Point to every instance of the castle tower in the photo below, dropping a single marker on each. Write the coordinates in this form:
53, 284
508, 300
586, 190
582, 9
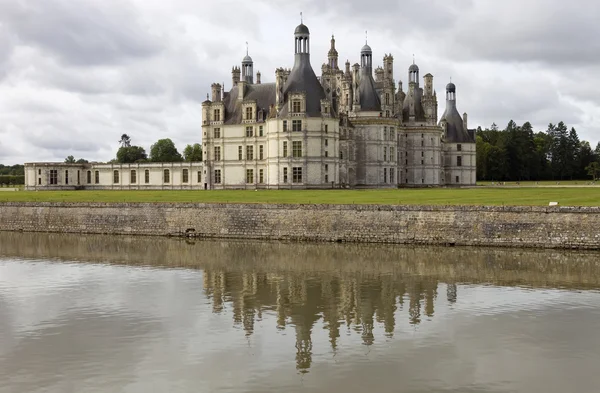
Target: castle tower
429, 100
216, 92
332, 56
247, 69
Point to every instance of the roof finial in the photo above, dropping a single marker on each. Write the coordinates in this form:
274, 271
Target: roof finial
366, 37
413, 58
450, 79
301, 19
206, 96
246, 48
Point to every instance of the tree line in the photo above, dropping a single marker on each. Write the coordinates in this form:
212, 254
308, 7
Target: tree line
517, 153
163, 150
12, 174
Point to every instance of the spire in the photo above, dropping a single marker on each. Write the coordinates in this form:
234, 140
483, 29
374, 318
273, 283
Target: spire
301, 19
366, 37
246, 48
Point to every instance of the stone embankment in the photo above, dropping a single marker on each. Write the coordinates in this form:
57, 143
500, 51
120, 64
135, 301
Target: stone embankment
542, 227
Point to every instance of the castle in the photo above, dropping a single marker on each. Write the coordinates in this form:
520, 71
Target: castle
349, 128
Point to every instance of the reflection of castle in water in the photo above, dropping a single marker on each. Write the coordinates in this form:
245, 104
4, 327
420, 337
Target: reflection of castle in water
300, 300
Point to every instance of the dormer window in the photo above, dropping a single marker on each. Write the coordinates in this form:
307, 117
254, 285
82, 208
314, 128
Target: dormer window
296, 106
249, 113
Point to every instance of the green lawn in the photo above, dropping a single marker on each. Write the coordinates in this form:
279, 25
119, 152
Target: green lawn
589, 196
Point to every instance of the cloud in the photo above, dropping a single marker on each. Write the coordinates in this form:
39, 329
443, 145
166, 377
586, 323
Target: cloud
74, 76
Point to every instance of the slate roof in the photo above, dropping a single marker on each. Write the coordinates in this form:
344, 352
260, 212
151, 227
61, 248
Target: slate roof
263, 93
455, 129
303, 79
369, 99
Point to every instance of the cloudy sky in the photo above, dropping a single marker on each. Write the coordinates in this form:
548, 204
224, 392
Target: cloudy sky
76, 74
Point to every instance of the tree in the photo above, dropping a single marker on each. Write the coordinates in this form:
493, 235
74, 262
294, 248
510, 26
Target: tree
82, 161
125, 140
131, 154
70, 160
164, 150
593, 170
193, 153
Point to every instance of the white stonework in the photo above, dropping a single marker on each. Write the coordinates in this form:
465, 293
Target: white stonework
348, 128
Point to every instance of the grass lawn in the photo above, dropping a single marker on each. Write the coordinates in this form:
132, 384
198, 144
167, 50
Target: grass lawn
435, 196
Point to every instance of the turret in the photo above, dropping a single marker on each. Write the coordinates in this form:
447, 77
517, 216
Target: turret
413, 74
247, 68
428, 85
366, 59
258, 78
388, 67
216, 92
235, 75
332, 56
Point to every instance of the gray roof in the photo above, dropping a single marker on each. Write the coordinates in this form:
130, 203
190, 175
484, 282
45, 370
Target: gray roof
301, 29
451, 87
455, 129
303, 79
413, 67
264, 94
247, 59
369, 99
416, 98
366, 49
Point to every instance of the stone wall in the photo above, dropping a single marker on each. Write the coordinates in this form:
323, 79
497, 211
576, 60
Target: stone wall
546, 227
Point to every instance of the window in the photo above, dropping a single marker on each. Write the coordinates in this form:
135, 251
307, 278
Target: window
240, 152
326, 142
146, 176
133, 177
89, 177
115, 177
387, 98
166, 176
457, 179
249, 152
297, 174
185, 176
385, 154
296, 149
326, 168
285, 125
199, 176
459, 161
53, 176
385, 134
326, 153
78, 181
284, 149
285, 175
392, 175
422, 143
67, 177
217, 114
296, 125
459, 147
387, 113
385, 175
261, 175
326, 178
261, 152
217, 133
217, 153
260, 131
249, 175
296, 106
217, 176
326, 128
97, 177
39, 181
422, 154
248, 113
341, 155
249, 132
392, 154
39, 171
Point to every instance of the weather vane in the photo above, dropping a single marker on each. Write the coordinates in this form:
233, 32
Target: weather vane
301, 19
246, 48
413, 58
366, 37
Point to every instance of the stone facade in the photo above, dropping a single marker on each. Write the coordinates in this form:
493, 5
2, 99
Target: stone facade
98, 176
347, 128
544, 227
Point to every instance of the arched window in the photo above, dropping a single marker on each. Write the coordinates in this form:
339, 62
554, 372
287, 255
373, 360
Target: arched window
166, 176
146, 176
115, 176
185, 176
89, 177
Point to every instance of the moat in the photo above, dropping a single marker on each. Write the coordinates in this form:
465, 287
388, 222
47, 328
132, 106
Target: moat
138, 314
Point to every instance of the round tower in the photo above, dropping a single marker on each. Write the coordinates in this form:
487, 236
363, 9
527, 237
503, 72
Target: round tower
247, 68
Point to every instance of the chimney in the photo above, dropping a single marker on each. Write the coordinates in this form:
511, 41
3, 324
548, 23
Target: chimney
465, 121
258, 78
216, 92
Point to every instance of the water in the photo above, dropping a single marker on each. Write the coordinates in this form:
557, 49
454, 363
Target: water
107, 314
